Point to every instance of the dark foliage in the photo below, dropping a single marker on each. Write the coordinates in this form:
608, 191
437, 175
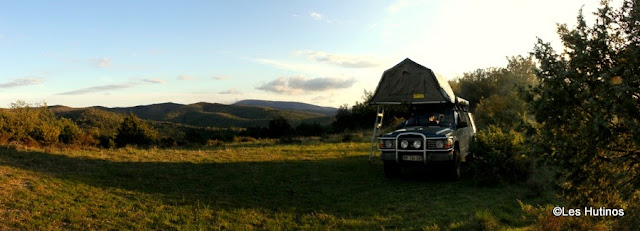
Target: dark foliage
499, 157
70, 133
588, 107
279, 127
134, 131
363, 116
315, 129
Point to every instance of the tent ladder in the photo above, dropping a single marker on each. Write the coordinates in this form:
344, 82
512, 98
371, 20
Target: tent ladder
376, 127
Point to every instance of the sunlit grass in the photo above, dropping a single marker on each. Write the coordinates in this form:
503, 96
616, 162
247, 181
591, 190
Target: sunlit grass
260, 185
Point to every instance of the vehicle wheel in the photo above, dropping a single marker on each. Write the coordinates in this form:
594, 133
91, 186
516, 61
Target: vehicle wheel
454, 166
391, 169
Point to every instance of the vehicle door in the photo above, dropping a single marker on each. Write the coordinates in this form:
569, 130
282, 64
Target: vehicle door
464, 130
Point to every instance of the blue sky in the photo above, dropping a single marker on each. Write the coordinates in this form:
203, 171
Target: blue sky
126, 53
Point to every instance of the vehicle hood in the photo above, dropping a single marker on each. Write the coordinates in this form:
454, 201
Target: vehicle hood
428, 131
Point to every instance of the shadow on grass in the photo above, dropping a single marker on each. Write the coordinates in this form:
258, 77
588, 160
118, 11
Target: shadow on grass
345, 187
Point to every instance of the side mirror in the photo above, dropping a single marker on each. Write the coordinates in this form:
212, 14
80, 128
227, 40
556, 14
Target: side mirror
462, 124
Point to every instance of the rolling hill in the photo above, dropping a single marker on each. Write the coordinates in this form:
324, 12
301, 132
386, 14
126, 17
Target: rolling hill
297, 106
209, 114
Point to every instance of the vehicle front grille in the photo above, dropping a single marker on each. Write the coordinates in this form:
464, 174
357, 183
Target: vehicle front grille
410, 139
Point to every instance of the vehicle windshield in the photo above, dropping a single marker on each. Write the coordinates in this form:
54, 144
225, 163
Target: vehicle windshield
430, 117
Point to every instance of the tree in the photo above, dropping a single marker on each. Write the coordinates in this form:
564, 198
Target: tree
279, 127
134, 131
362, 115
314, 129
504, 111
484, 83
343, 119
588, 107
70, 133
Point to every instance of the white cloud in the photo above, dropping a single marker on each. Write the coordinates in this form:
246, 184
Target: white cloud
186, 77
300, 84
101, 62
323, 18
154, 80
19, 82
219, 77
232, 91
364, 76
316, 16
111, 87
349, 61
96, 89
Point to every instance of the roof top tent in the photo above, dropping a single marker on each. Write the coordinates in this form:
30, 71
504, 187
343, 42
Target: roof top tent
409, 83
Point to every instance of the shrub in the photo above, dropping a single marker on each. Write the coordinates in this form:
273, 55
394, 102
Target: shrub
315, 129
499, 156
168, 142
279, 127
347, 137
106, 141
215, 143
195, 136
244, 139
70, 133
30, 125
289, 140
134, 131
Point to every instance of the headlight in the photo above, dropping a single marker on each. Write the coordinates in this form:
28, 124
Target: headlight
417, 144
439, 144
388, 144
404, 144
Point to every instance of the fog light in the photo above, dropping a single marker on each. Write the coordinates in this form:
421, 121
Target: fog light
439, 144
417, 144
404, 144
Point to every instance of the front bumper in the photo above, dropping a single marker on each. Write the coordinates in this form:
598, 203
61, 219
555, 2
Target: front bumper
431, 156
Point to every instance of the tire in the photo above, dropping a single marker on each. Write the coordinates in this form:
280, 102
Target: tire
455, 166
391, 169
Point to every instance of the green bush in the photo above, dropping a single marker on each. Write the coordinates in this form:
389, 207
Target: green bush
505, 111
70, 133
106, 141
30, 125
499, 156
134, 131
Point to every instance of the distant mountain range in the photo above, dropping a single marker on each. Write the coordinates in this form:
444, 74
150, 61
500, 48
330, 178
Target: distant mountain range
296, 106
246, 113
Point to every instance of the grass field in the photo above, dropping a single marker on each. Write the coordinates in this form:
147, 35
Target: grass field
240, 186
